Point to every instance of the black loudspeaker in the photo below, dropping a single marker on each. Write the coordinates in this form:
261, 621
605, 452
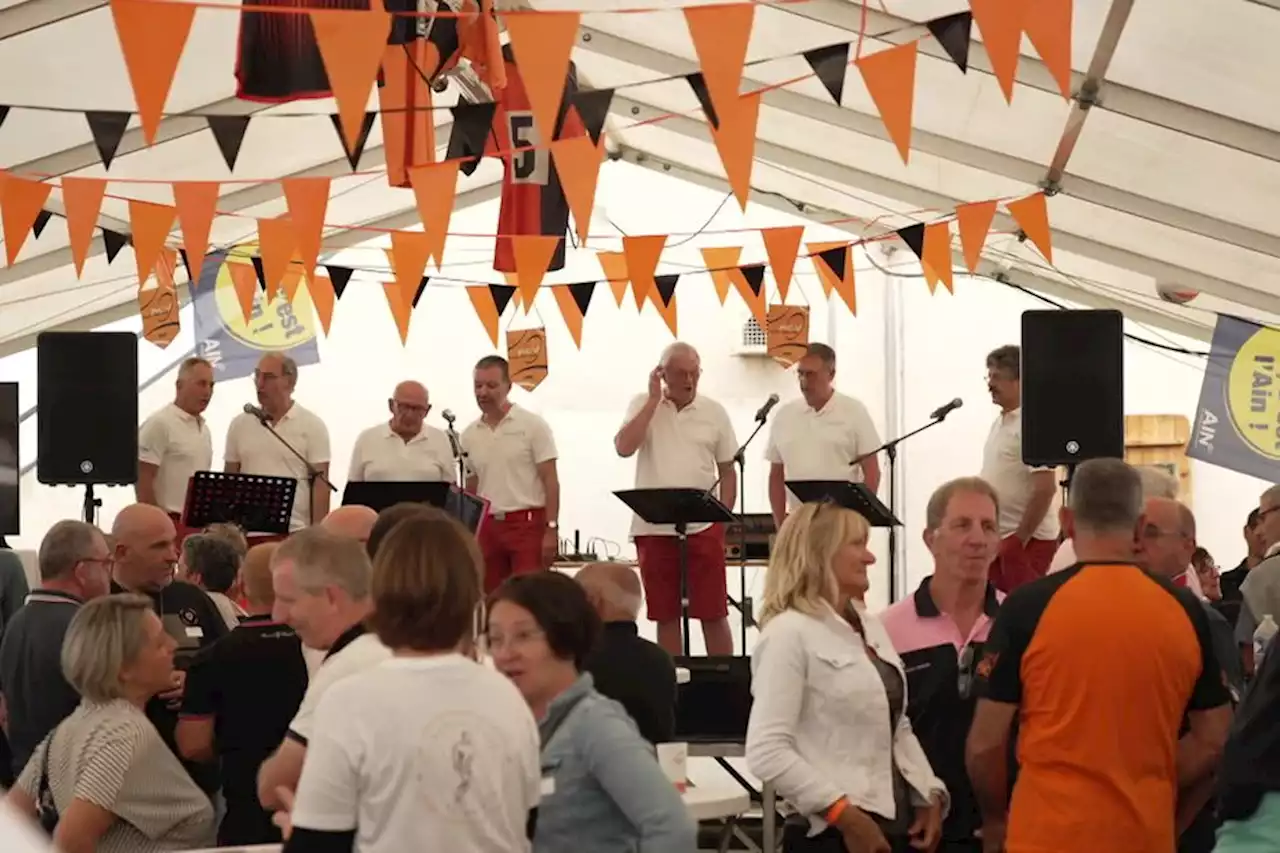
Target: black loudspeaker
1072, 386
87, 400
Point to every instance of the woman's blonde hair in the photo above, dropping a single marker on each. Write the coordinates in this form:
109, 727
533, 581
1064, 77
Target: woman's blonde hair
105, 636
799, 576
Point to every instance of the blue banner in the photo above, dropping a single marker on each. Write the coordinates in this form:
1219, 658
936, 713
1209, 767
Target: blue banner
1237, 423
234, 347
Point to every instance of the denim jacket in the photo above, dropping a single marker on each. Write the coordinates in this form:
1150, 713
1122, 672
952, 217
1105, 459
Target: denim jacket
603, 790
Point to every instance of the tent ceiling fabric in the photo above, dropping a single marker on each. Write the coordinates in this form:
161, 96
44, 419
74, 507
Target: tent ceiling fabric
1164, 168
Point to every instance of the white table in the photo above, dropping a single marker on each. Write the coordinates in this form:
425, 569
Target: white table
715, 804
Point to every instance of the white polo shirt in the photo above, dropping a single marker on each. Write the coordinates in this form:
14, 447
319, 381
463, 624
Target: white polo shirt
179, 444
506, 459
1003, 468
357, 653
683, 448
382, 455
819, 444
257, 451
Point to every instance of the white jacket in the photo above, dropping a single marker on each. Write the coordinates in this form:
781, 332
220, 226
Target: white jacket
819, 725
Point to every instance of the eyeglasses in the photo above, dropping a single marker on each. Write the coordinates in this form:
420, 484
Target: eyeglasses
412, 408
964, 682
519, 638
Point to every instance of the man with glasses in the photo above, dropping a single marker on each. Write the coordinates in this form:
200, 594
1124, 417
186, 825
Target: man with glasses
405, 447
1260, 590
939, 633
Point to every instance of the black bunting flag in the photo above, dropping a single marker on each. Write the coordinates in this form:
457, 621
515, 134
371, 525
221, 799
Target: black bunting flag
836, 259
754, 274
829, 65
107, 128
4, 114
501, 294
338, 277
582, 293
699, 86
228, 132
417, 294
260, 271
913, 236
666, 287
593, 108
355, 152
954, 33
186, 263
42, 219
470, 133
112, 243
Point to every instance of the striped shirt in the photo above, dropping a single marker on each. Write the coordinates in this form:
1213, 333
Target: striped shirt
111, 755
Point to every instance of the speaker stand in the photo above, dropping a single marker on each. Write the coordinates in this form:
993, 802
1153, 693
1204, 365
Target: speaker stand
1066, 484
91, 505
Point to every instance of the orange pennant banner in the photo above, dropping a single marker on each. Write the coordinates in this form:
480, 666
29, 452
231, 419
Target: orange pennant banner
722, 266
973, 220
825, 276
890, 77
322, 297
1032, 215
642, 255
292, 280
1000, 22
782, 245
152, 38
570, 311
533, 253
720, 35
578, 162
401, 308
245, 282
434, 189
845, 286
408, 256
735, 141
614, 267
276, 245
308, 199
158, 307
166, 268
197, 204
541, 43
81, 203
527, 357
787, 333
406, 109
351, 45
1048, 25
936, 260
667, 312
21, 201
151, 224
486, 311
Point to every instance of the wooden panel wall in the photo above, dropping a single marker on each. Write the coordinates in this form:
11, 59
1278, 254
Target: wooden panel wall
1160, 440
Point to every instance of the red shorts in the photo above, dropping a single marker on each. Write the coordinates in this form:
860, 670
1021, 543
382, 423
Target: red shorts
1017, 564
512, 545
659, 559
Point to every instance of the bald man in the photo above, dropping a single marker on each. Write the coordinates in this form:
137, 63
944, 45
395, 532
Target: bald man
627, 668
351, 522
405, 447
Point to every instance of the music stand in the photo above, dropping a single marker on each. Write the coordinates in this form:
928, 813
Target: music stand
255, 502
679, 508
467, 508
854, 496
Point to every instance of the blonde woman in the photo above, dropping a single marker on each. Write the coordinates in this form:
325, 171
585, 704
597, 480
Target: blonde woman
828, 727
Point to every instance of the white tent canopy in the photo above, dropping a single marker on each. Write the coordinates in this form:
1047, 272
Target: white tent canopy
1164, 170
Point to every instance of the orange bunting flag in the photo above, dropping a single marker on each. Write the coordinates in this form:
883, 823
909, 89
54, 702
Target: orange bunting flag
245, 282
973, 220
782, 245
1048, 25
151, 224
663, 297
158, 307
166, 267
533, 253
720, 35
292, 280
527, 357
276, 245
401, 308
749, 280
81, 203
434, 188
308, 199
486, 310
642, 255
614, 266
890, 77
834, 265
408, 256
196, 203
1000, 22
577, 161
825, 276
21, 201
1032, 215
787, 333
722, 266
735, 141
935, 260
541, 43
322, 297
152, 38
572, 299
351, 45
406, 109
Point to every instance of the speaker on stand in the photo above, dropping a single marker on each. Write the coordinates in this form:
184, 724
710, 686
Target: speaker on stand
87, 411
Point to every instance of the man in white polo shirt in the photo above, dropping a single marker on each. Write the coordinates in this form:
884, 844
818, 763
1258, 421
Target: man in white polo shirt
817, 436
252, 449
512, 455
681, 439
404, 448
1028, 526
175, 442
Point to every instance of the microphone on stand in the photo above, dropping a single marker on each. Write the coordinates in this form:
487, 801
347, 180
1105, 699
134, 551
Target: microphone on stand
455, 442
449, 417
257, 412
764, 410
941, 412
313, 473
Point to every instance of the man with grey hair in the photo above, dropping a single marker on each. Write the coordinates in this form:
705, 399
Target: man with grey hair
1105, 666
75, 566
1156, 483
175, 442
252, 449
1260, 591
627, 668
213, 564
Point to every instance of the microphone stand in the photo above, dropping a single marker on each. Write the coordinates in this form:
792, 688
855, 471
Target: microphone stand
313, 473
890, 450
459, 455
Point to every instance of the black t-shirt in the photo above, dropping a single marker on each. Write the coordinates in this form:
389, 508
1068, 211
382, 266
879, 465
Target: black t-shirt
1250, 765
250, 683
639, 675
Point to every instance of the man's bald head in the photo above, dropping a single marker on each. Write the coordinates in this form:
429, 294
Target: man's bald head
614, 590
255, 577
410, 391
146, 547
409, 407
135, 517
350, 522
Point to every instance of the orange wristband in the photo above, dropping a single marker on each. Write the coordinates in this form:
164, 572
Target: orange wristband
837, 809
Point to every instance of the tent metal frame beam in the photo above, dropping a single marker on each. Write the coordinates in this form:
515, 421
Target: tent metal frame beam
947, 148
35, 14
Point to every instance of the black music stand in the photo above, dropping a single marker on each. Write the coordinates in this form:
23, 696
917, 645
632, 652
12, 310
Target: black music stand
678, 508
467, 508
854, 496
255, 502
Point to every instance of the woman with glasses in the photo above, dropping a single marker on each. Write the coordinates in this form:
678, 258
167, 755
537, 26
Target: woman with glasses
1208, 575
603, 790
828, 727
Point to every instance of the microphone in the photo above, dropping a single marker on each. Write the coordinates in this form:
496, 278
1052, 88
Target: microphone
256, 411
942, 411
767, 407
448, 417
